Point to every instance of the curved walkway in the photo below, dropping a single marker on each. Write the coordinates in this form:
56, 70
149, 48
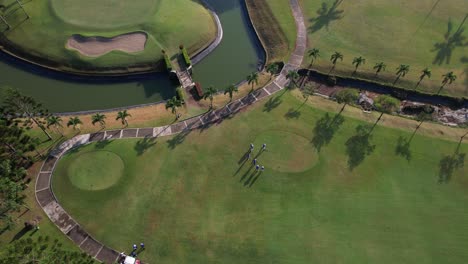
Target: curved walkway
43, 189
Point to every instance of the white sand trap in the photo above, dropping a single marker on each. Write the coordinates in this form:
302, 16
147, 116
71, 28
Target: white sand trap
98, 46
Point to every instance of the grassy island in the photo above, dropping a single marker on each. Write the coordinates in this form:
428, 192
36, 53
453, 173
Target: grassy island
103, 35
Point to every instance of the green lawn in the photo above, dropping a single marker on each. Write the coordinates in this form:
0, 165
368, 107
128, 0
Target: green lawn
191, 201
168, 23
395, 32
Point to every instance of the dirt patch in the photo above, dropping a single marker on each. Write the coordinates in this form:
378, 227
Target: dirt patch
98, 46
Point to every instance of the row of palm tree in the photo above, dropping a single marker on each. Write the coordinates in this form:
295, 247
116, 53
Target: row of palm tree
379, 67
75, 122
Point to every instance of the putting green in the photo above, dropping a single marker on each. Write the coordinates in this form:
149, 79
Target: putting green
103, 13
285, 152
96, 170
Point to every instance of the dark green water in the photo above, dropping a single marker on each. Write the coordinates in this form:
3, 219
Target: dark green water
237, 56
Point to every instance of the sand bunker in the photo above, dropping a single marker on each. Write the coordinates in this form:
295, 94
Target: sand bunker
98, 46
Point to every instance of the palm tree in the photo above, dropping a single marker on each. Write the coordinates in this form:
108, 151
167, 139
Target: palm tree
75, 122
208, 94
272, 69
123, 115
334, 59
424, 73
313, 55
173, 104
379, 67
56, 122
449, 78
230, 90
252, 79
99, 118
358, 61
292, 76
402, 70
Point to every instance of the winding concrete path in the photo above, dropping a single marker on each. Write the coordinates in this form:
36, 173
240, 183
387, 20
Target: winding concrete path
43, 189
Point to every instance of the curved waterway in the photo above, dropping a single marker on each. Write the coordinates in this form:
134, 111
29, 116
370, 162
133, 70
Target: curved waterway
238, 54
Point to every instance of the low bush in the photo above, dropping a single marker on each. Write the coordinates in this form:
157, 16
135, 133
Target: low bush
168, 63
187, 60
180, 93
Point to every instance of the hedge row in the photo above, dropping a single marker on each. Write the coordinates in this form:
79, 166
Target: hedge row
186, 57
168, 63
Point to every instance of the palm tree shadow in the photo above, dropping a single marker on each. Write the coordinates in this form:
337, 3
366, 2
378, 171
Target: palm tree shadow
178, 139
293, 114
403, 148
326, 15
359, 146
325, 130
144, 144
272, 103
445, 48
103, 143
449, 164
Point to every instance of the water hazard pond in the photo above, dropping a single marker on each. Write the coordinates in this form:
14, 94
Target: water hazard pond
238, 54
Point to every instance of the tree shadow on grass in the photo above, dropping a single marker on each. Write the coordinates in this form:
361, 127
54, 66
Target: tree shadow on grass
326, 15
102, 143
403, 148
359, 146
292, 114
325, 129
272, 103
144, 144
449, 164
445, 48
178, 139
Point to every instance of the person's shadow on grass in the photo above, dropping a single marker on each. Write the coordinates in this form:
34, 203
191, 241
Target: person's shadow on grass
359, 146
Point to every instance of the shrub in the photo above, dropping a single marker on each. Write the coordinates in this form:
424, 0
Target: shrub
187, 60
167, 62
180, 93
386, 104
347, 96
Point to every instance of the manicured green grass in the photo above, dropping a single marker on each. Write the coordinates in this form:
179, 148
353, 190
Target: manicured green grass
96, 170
395, 32
168, 23
191, 201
